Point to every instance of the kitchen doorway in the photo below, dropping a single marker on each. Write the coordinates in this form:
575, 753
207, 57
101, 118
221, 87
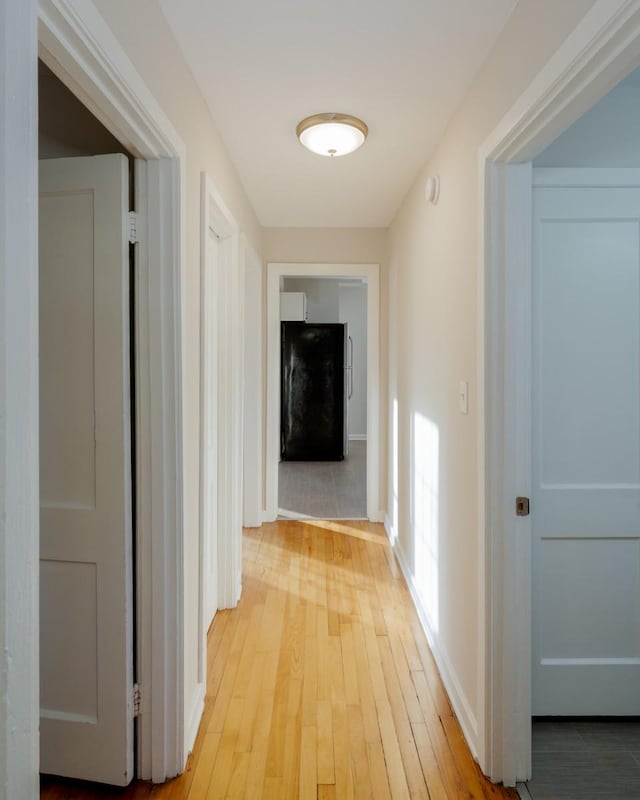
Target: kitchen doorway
339, 300
323, 421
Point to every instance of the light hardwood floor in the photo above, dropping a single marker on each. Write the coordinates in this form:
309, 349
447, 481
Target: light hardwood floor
321, 684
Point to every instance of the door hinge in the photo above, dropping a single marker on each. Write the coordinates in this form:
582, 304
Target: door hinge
137, 700
522, 506
133, 227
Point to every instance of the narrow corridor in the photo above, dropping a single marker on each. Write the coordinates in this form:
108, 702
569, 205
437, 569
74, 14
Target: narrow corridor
321, 683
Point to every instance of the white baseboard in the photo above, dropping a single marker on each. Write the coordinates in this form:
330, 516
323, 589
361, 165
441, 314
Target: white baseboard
285, 513
459, 702
193, 720
392, 533
357, 437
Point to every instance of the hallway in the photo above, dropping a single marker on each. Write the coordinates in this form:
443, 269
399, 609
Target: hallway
321, 683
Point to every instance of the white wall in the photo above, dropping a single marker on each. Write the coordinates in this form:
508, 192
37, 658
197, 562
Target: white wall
433, 496
145, 36
322, 297
608, 135
353, 310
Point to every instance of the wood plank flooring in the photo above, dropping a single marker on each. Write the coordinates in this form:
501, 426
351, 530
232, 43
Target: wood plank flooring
321, 684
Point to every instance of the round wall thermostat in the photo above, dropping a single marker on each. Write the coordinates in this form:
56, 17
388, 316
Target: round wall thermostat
432, 189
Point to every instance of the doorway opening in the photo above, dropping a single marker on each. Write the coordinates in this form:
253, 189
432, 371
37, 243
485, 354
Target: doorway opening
586, 454
80, 50
584, 68
87, 443
318, 463
323, 415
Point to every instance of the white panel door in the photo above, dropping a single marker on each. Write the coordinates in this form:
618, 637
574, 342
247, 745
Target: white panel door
211, 346
85, 471
586, 448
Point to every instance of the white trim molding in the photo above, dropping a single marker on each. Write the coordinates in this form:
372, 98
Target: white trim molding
371, 272
160, 583
217, 216
509, 410
194, 716
602, 49
77, 44
19, 479
225, 316
252, 462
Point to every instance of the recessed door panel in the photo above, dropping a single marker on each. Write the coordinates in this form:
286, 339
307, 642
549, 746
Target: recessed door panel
86, 664
67, 338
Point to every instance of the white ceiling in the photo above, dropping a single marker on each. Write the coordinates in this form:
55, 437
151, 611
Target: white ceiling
403, 66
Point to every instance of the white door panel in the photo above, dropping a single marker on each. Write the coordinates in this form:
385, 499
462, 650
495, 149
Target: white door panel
557, 516
85, 471
586, 451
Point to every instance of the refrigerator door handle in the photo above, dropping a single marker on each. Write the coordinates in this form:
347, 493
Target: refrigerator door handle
350, 368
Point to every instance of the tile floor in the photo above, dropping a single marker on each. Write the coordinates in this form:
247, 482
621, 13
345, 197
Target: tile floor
585, 760
325, 489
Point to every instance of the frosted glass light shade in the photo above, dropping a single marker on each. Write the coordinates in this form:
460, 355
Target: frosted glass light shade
332, 134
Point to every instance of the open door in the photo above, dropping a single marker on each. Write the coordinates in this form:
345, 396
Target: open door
586, 446
86, 621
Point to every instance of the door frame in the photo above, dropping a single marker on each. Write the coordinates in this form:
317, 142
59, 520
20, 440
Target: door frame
602, 49
215, 215
276, 271
253, 391
80, 48
19, 444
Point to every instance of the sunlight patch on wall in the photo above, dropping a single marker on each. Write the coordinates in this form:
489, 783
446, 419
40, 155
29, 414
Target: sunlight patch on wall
425, 514
393, 532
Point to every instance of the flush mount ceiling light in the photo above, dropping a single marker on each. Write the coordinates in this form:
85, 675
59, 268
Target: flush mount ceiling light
332, 134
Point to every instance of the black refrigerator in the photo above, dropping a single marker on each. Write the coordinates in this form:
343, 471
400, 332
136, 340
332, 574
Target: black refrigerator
314, 385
